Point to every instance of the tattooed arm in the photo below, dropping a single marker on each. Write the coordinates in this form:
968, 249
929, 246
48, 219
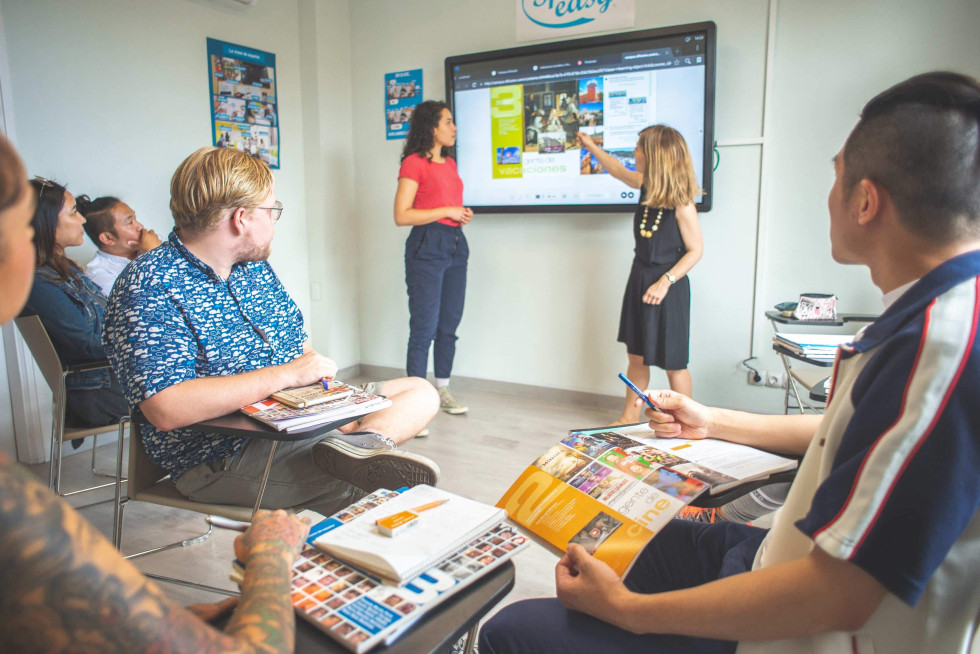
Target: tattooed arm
63, 587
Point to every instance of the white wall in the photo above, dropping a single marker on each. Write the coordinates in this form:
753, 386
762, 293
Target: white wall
332, 233
110, 95
544, 292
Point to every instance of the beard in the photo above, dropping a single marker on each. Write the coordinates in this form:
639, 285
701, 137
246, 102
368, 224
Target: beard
252, 252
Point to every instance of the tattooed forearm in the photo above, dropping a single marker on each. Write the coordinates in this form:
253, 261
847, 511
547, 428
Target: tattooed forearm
64, 588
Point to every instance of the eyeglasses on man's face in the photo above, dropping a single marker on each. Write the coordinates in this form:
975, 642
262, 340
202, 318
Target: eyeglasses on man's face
274, 212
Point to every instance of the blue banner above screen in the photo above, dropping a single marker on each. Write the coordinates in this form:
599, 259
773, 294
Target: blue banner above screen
518, 111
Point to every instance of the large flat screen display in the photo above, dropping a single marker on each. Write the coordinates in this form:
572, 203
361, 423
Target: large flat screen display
518, 111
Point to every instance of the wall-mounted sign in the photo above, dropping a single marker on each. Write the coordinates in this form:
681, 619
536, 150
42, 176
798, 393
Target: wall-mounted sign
403, 92
244, 108
547, 19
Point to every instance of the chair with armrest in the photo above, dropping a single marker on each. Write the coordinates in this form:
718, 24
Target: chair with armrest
55, 375
148, 482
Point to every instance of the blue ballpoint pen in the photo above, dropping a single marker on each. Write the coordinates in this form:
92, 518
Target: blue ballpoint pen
635, 389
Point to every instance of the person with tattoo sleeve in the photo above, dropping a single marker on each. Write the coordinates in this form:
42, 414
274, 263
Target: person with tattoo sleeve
63, 587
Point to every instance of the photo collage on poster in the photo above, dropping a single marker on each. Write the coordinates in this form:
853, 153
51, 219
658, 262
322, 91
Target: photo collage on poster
244, 106
403, 92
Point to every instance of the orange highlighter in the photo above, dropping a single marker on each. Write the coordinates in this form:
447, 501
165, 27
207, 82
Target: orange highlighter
402, 521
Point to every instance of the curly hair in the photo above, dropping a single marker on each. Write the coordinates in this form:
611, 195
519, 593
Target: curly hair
424, 121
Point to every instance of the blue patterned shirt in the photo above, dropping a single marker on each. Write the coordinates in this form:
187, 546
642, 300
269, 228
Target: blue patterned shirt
171, 318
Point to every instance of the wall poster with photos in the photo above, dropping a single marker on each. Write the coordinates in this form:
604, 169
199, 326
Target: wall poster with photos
403, 92
244, 109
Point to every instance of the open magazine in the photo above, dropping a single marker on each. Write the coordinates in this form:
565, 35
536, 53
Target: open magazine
285, 418
444, 523
612, 489
359, 610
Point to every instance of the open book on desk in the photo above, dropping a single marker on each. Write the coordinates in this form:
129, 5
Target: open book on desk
612, 489
440, 531
360, 611
285, 418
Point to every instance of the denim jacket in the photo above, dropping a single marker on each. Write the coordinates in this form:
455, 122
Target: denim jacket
72, 312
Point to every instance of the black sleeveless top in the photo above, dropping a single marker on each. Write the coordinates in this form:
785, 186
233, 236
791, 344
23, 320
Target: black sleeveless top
666, 245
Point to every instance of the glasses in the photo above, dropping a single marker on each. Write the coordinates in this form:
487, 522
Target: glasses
45, 183
275, 212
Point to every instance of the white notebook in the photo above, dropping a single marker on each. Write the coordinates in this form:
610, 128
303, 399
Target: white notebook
441, 531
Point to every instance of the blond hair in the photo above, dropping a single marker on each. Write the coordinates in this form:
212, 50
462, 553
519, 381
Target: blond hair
669, 179
212, 180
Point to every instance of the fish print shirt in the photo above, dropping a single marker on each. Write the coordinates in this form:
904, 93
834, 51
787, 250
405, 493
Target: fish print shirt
171, 318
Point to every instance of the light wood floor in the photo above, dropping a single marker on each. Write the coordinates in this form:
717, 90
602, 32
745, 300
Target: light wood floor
479, 453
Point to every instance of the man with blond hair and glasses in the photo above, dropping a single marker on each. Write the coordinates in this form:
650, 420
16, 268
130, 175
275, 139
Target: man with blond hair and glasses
201, 326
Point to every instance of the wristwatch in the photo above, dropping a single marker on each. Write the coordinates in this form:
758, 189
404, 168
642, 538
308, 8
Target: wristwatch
670, 278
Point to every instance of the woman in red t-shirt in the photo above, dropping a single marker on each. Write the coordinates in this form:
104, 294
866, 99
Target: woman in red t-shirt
430, 199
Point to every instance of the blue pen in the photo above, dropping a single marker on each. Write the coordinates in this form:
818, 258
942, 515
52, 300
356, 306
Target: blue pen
643, 395
326, 383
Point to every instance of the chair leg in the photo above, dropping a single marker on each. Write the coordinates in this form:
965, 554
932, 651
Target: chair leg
191, 584
471, 637
200, 538
118, 510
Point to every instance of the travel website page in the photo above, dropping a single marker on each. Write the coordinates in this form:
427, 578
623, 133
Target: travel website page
517, 142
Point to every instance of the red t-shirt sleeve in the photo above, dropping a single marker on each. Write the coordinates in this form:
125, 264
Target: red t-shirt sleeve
439, 183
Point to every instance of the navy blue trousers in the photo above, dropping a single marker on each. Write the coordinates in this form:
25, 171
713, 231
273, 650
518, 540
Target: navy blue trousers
684, 554
435, 274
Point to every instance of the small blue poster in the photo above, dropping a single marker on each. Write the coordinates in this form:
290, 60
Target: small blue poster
244, 106
403, 92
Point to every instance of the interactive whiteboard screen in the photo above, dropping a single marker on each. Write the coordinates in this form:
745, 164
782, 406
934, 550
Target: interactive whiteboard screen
518, 110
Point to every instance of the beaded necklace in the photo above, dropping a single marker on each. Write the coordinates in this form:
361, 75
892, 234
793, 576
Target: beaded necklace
648, 233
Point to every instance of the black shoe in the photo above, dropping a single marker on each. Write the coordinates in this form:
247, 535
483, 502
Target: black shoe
370, 461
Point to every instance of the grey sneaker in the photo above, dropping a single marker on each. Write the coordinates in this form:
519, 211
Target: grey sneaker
449, 404
371, 461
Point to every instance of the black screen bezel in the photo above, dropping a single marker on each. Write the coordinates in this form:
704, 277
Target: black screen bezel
627, 40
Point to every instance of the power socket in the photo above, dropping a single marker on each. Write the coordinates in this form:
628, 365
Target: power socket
770, 378
776, 380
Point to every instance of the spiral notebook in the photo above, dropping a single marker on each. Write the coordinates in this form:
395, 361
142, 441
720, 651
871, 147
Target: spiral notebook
441, 531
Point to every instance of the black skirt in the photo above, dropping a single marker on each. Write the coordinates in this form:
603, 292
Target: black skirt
660, 333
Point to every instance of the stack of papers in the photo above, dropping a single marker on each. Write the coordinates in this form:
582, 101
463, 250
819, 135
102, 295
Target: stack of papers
821, 347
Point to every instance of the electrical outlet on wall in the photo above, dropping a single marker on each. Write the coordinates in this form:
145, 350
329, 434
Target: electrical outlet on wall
776, 379
770, 378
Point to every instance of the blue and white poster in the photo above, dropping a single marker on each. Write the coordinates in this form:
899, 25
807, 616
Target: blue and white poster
403, 92
244, 105
548, 19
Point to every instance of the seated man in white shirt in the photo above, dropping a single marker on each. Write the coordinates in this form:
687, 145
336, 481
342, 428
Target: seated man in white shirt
112, 226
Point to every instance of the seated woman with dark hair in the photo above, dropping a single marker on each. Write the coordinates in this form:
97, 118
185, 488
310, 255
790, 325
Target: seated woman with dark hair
71, 307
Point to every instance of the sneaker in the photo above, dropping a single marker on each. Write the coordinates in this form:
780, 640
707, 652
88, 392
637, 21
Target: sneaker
449, 404
697, 514
371, 461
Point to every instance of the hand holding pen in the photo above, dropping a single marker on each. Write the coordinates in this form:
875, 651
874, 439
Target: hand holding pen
633, 387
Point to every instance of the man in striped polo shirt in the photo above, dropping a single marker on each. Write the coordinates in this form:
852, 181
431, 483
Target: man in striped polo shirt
877, 548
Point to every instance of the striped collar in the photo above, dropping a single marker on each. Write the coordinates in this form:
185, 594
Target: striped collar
912, 302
